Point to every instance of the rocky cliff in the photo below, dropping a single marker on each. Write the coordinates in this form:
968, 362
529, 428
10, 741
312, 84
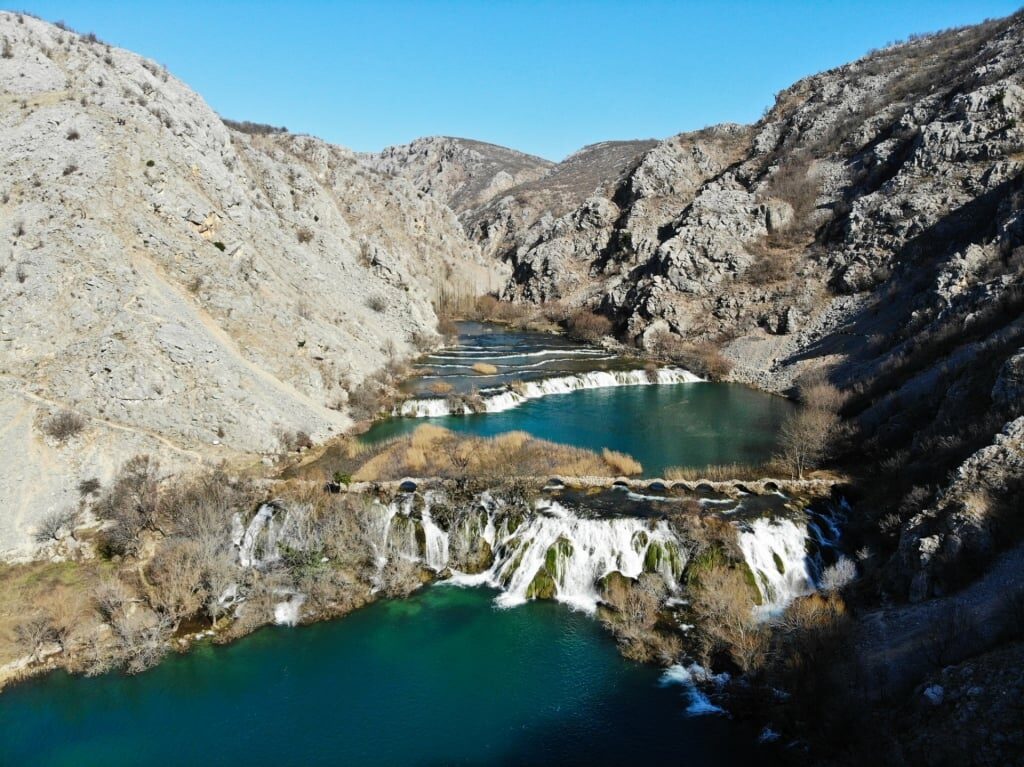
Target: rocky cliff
870, 223
178, 287
460, 172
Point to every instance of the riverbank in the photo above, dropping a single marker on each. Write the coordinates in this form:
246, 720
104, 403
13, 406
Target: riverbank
213, 577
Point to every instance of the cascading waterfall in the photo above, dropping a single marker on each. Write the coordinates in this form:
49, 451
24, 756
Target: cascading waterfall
506, 399
776, 552
550, 551
257, 542
558, 554
435, 542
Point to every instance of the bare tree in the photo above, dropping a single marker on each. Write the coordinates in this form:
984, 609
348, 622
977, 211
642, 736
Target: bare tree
132, 503
177, 576
35, 630
220, 575
52, 523
838, 575
805, 437
724, 604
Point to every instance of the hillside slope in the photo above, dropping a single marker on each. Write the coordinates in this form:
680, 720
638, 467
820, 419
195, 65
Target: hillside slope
189, 290
460, 172
871, 223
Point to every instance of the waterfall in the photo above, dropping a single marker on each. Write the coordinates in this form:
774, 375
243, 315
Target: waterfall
688, 677
776, 552
549, 551
435, 542
557, 554
287, 613
255, 549
506, 399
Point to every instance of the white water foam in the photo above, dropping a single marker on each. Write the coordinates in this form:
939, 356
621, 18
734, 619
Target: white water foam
687, 677
432, 407
583, 551
775, 550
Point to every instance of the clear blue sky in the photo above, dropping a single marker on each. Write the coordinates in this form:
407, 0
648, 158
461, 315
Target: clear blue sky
542, 77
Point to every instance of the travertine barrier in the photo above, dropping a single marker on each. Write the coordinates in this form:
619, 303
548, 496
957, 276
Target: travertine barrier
727, 487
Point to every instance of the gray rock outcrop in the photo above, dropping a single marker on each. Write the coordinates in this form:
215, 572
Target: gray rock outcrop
189, 290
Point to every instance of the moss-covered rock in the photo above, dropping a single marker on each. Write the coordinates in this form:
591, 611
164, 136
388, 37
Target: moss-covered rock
505, 577
751, 579
542, 586
406, 535
664, 558
708, 559
513, 521
480, 558
556, 557
779, 564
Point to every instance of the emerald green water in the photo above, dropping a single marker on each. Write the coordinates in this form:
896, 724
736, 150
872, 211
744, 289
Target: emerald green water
440, 678
675, 425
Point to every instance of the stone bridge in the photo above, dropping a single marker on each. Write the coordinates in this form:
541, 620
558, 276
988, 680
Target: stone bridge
733, 487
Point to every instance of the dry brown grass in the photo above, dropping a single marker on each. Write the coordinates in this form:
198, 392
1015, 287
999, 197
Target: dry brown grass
436, 452
57, 590
440, 387
621, 462
725, 472
484, 368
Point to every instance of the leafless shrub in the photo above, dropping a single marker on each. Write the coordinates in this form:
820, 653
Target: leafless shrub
33, 631
304, 234
294, 441
132, 503
722, 600
588, 327
771, 265
377, 303
6, 49
807, 436
176, 573
64, 425
367, 399
252, 128
447, 327
88, 487
69, 169
839, 575
400, 577
52, 523
702, 358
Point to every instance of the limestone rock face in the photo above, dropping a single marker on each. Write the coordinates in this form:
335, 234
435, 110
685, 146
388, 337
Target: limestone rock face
462, 173
1008, 391
872, 222
961, 527
900, 171
188, 289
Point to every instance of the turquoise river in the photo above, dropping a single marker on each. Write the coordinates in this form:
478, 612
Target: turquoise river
443, 677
